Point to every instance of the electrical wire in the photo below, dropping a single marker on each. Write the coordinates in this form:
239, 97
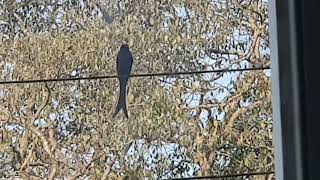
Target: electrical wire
132, 75
225, 176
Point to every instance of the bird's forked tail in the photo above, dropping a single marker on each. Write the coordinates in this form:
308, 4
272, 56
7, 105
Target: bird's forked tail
122, 99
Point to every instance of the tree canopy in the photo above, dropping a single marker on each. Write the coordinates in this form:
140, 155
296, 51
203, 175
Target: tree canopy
178, 126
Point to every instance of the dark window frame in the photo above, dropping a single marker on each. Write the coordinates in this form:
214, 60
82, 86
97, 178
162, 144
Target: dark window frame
296, 93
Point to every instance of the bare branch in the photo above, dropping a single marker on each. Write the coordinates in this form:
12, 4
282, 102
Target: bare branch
27, 159
53, 171
44, 103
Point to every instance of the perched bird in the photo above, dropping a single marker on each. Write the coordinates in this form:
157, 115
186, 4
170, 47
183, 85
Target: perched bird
124, 65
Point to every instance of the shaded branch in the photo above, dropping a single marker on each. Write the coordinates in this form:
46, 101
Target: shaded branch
238, 112
230, 52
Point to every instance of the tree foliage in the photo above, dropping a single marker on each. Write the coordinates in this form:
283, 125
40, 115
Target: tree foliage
178, 126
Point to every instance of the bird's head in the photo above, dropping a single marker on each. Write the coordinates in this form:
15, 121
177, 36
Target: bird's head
124, 46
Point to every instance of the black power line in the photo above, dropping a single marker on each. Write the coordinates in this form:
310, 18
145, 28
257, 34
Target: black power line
133, 75
226, 176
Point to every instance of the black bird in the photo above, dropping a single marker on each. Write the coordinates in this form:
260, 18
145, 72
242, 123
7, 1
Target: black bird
124, 65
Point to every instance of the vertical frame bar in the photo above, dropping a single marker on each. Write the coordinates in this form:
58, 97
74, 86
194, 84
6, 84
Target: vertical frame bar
288, 88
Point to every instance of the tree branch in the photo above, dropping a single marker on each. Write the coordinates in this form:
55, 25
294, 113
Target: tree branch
238, 112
